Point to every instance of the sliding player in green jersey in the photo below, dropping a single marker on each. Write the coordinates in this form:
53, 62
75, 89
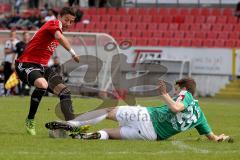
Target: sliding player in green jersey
180, 113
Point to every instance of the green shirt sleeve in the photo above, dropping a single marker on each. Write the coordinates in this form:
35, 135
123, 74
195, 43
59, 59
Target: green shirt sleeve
203, 127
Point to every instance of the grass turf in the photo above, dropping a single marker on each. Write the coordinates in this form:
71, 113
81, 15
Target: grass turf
222, 115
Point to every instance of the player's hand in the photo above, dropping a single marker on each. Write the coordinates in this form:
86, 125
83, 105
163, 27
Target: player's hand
224, 137
162, 87
76, 58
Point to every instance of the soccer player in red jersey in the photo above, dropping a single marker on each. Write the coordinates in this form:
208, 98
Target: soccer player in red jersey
32, 69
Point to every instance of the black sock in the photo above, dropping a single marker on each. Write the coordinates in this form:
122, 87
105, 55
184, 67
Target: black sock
35, 100
66, 104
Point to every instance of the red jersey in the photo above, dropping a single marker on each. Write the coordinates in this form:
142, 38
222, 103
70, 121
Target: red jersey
41, 47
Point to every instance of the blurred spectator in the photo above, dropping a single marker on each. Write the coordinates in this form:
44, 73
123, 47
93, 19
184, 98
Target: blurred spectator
97, 3
10, 47
50, 15
33, 3
237, 11
17, 5
73, 2
56, 67
20, 46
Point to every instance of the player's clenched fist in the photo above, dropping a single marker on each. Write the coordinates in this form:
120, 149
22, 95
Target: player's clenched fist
76, 58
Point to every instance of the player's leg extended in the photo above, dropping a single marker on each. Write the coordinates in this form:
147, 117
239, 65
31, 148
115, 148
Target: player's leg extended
55, 82
35, 78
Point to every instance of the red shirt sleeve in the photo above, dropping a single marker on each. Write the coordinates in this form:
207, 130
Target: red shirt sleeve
53, 26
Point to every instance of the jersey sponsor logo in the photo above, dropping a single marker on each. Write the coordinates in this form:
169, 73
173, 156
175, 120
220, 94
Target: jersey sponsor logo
53, 45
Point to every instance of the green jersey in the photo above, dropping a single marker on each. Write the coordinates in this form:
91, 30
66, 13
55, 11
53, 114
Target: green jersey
167, 123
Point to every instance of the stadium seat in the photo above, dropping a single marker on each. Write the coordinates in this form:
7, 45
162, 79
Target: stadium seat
153, 27
173, 11
142, 26
228, 27
153, 42
217, 27
112, 11
158, 34
153, 11
167, 19
126, 19
136, 19
90, 26
195, 27
219, 43
163, 27
174, 42
111, 26
237, 28
106, 18
147, 34
189, 35
234, 35
101, 26
132, 11
200, 19
212, 35
163, 11
205, 12
141, 42
164, 42
221, 19
230, 43
116, 18
168, 35
228, 12
121, 26
131, 26
190, 19
173, 27
95, 18
157, 19
211, 19
184, 27
197, 43
179, 34
184, 12
92, 11
125, 34
122, 11
147, 19
136, 34
102, 11
178, 19
206, 27
208, 43
232, 20
216, 12
186, 43
143, 11
195, 11
200, 35
223, 35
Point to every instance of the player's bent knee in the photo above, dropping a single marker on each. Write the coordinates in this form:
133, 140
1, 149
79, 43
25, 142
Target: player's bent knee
41, 83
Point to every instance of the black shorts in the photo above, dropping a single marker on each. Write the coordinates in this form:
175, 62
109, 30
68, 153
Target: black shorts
29, 72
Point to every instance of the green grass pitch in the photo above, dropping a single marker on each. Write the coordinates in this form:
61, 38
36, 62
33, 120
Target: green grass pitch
223, 116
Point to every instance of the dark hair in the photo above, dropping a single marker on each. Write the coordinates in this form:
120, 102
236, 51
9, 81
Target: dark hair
69, 10
189, 83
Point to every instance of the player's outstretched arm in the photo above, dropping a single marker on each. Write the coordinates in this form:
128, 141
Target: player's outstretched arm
212, 137
174, 106
65, 43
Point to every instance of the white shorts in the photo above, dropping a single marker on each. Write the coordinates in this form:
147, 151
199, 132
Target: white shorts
135, 123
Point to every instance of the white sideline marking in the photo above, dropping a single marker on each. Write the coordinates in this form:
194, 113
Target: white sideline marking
42, 153
184, 146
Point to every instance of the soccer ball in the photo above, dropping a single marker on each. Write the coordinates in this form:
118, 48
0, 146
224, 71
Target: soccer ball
57, 133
